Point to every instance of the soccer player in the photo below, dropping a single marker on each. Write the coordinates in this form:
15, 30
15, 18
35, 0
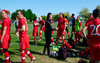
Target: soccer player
66, 18
5, 35
61, 28
73, 25
93, 28
52, 33
48, 29
78, 27
35, 30
42, 27
23, 37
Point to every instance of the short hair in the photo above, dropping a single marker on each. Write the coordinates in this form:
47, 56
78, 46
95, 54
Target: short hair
66, 17
35, 18
96, 13
48, 15
73, 14
21, 12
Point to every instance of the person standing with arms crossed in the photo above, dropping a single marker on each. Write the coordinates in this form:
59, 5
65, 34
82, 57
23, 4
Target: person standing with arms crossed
48, 29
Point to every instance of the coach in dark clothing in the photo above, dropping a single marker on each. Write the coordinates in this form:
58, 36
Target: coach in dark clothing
73, 25
48, 29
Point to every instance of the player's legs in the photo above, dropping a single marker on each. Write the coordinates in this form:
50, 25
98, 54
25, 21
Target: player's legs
40, 34
67, 31
63, 37
35, 40
22, 51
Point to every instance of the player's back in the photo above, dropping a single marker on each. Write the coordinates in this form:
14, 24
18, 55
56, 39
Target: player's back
94, 30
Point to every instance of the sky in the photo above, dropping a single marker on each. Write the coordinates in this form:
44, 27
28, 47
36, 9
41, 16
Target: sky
42, 7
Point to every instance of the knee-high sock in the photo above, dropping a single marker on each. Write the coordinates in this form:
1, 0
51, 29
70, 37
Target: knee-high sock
34, 40
6, 56
28, 53
71, 35
52, 39
57, 41
23, 57
60, 38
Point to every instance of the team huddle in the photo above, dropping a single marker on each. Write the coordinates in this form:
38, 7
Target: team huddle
92, 25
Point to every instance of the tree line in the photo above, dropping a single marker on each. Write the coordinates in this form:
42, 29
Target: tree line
29, 15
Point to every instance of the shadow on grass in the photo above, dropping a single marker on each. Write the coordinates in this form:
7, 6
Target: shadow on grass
34, 52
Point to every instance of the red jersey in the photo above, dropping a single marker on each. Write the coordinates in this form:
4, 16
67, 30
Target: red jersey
52, 22
88, 20
94, 30
22, 22
61, 23
6, 22
42, 23
35, 26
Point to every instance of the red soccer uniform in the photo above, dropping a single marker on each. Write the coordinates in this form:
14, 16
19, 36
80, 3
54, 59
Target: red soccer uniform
61, 26
35, 30
94, 36
6, 39
23, 36
52, 24
42, 23
88, 21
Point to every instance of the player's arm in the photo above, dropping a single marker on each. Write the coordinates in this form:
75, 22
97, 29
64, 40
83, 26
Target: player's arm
22, 29
3, 33
84, 34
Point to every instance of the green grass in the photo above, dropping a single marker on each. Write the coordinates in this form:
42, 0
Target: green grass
38, 50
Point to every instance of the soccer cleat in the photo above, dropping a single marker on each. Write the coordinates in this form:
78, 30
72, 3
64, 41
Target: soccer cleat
33, 59
35, 44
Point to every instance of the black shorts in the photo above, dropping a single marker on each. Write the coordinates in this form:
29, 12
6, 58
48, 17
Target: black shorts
73, 28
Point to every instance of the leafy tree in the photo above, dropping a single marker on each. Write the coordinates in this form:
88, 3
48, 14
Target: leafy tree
67, 14
55, 17
98, 7
84, 13
30, 15
44, 17
0, 16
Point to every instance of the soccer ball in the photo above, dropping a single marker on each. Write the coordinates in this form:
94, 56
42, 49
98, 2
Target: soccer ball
54, 53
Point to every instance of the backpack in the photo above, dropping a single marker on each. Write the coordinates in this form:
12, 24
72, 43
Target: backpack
62, 54
71, 42
71, 53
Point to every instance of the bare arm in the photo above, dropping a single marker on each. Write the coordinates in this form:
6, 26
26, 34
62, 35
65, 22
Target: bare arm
4, 31
22, 29
84, 34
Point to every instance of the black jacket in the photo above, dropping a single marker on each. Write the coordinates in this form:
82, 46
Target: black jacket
73, 22
48, 27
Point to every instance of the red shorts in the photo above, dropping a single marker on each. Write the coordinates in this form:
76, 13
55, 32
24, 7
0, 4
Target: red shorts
94, 51
24, 42
43, 29
6, 42
51, 32
35, 33
61, 32
78, 34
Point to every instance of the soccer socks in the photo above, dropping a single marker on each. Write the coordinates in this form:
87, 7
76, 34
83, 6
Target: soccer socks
52, 39
57, 41
7, 57
28, 53
60, 38
68, 34
23, 57
34, 40
63, 41
78, 40
40, 35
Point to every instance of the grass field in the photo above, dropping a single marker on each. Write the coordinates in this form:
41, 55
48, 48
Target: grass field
38, 50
